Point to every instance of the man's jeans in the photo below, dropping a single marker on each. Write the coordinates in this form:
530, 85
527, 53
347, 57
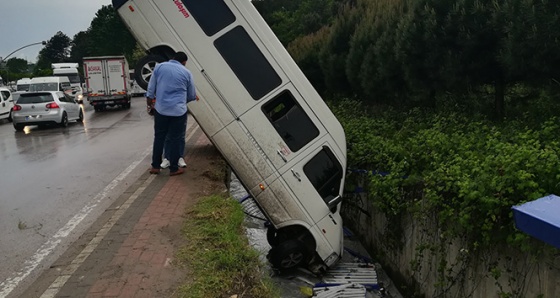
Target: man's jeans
166, 152
172, 128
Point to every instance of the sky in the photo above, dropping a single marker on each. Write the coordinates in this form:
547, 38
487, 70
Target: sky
24, 22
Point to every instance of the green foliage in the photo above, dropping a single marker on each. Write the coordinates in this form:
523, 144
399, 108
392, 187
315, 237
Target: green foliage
136, 55
107, 34
218, 253
56, 50
530, 45
290, 19
467, 171
457, 175
17, 65
80, 46
409, 52
333, 52
305, 51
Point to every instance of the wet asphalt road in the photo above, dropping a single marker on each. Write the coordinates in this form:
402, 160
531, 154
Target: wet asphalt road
55, 181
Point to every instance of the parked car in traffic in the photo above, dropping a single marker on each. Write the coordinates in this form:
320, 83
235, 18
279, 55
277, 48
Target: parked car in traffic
43, 108
6, 103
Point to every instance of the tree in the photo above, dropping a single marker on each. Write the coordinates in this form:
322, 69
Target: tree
334, 52
402, 51
80, 46
305, 51
56, 50
290, 19
108, 35
17, 65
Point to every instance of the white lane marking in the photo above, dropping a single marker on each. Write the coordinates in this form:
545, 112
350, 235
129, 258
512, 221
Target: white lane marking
61, 280
8, 285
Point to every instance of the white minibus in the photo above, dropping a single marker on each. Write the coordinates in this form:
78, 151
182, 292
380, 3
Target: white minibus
260, 111
51, 83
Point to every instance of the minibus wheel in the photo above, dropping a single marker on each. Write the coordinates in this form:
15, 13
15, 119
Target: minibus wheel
144, 69
288, 254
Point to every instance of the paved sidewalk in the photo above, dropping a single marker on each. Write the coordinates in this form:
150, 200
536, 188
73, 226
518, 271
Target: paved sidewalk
129, 251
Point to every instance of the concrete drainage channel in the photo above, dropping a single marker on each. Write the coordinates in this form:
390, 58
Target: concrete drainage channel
356, 275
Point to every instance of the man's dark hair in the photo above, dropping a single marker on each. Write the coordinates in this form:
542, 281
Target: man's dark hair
181, 57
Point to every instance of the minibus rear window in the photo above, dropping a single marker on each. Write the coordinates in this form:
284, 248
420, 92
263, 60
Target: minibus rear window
325, 173
211, 15
290, 121
247, 62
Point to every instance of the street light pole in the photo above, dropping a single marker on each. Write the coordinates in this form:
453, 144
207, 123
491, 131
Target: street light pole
10, 54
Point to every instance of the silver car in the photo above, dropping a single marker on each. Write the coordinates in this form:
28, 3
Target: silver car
46, 107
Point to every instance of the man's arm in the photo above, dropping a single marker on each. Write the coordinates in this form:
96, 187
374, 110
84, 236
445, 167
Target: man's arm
151, 91
191, 90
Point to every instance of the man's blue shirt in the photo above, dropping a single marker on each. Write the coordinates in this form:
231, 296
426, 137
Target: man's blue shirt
172, 86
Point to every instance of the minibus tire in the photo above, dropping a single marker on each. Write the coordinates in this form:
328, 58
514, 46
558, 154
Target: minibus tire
288, 255
272, 236
147, 60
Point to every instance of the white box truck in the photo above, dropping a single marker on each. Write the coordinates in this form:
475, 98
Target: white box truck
107, 82
260, 111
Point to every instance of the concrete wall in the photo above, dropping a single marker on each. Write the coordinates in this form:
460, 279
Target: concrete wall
520, 274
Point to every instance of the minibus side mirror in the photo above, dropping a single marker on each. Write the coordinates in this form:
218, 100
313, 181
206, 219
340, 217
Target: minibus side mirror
333, 201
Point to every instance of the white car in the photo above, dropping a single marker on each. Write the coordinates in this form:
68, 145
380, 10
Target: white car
46, 107
6, 103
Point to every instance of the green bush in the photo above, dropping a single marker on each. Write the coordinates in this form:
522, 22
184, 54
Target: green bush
467, 171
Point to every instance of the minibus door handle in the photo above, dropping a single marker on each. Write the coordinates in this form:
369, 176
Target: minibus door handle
296, 174
282, 156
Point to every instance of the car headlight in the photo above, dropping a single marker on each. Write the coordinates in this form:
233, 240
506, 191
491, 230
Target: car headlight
80, 96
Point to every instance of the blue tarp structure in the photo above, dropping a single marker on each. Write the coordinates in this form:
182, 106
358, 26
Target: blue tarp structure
540, 218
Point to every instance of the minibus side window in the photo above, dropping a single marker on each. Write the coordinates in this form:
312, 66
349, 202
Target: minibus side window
118, 3
211, 15
247, 62
325, 173
290, 121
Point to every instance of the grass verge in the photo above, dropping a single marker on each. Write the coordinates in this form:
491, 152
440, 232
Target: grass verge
218, 255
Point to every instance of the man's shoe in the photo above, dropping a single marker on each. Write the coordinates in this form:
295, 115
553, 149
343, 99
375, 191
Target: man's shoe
178, 172
155, 171
165, 163
182, 163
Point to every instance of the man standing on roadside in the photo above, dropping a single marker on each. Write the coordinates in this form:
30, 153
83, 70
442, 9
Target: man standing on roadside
172, 86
